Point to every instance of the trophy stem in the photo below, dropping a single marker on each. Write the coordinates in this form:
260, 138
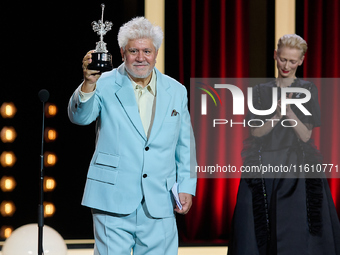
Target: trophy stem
103, 6
102, 24
101, 37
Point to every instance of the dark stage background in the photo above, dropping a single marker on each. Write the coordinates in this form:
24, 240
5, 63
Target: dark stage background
43, 46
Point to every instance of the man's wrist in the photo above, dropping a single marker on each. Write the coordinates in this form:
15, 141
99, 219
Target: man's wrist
87, 88
85, 96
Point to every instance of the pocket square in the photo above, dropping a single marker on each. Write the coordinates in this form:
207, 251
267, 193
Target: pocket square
174, 112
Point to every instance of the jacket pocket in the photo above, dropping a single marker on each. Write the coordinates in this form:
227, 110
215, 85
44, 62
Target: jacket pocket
172, 119
105, 159
104, 168
102, 175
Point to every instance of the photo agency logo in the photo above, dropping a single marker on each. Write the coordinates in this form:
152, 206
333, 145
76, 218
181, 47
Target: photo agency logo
226, 112
204, 96
280, 97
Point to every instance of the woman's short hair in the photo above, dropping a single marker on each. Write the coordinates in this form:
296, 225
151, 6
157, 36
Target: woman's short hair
293, 41
138, 28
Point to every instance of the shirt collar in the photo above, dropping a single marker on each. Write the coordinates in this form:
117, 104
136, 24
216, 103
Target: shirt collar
151, 87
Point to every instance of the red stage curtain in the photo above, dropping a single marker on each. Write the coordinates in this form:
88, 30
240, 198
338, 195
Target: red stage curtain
321, 31
213, 42
211, 39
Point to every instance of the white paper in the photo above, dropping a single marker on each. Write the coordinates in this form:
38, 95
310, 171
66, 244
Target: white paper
174, 190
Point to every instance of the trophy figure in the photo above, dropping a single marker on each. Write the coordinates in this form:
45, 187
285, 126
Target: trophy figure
101, 59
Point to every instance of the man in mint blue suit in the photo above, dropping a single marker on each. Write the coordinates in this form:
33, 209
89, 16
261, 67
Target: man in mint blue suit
144, 145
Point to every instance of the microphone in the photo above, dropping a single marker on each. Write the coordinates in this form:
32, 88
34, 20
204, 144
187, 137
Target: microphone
43, 95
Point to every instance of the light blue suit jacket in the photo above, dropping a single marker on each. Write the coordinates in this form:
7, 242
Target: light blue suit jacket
126, 165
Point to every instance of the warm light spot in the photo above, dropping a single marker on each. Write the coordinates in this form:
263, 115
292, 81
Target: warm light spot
50, 110
6, 231
50, 159
49, 209
7, 208
8, 110
7, 159
8, 134
49, 184
7, 183
50, 134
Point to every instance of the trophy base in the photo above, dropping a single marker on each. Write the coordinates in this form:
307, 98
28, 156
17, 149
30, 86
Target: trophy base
101, 61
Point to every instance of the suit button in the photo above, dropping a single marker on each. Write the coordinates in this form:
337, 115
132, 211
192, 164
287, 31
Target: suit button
145, 175
147, 148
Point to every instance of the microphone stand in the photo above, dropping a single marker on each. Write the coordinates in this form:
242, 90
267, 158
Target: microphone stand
43, 96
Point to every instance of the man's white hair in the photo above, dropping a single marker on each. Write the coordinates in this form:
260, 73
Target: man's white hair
138, 28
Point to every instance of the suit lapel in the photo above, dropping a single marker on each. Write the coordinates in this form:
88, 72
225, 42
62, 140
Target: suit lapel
126, 97
163, 99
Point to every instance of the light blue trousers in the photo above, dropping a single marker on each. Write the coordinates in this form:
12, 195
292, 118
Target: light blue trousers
117, 234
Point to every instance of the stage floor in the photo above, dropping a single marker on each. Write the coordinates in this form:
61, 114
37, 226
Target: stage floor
181, 251
222, 250
219, 250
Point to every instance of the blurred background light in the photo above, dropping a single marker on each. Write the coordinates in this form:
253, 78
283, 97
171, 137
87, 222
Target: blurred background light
5, 232
49, 209
7, 208
50, 159
8, 134
7, 183
7, 159
8, 110
51, 110
49, 184
50, 134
